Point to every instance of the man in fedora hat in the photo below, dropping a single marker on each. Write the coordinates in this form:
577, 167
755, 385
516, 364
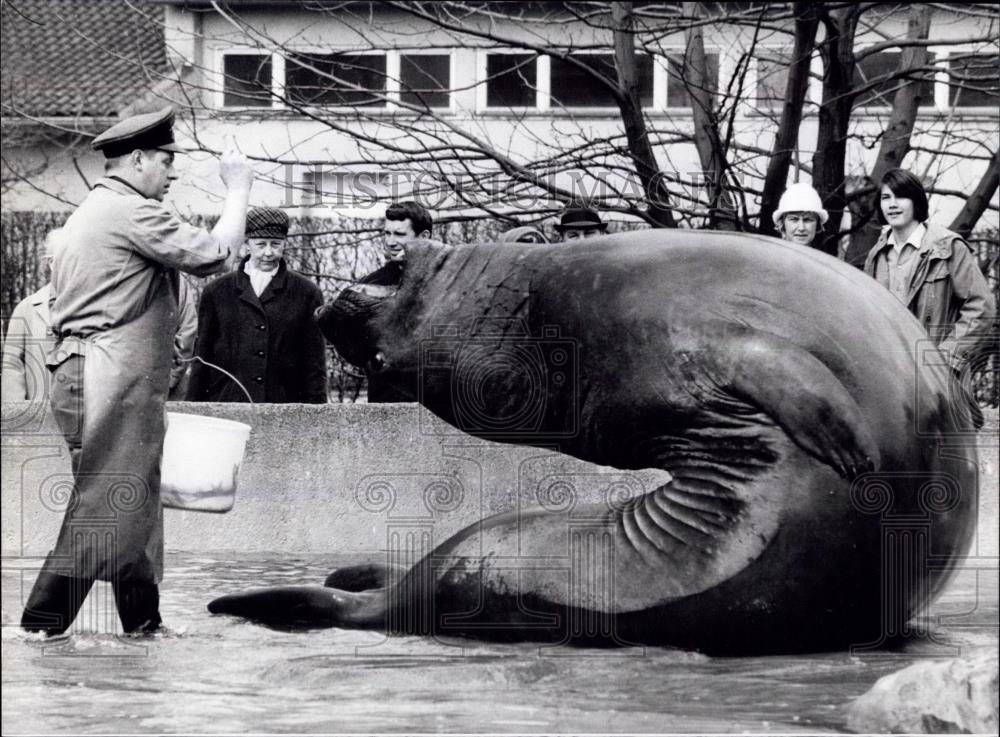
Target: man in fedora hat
257, 323
114, 315
580, 222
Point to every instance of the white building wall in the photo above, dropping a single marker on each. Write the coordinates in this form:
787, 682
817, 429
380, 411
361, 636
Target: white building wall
299, 144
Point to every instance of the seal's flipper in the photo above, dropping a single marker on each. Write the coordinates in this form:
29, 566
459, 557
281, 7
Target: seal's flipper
303, 606
364, 577
805, 398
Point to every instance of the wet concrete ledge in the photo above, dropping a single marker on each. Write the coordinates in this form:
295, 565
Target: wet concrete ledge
351, 478
348, 478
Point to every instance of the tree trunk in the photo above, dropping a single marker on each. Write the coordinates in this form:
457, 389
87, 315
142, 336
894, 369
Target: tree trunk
837, 51
786, 140
722, 210
896, 139
639, 148
975, 206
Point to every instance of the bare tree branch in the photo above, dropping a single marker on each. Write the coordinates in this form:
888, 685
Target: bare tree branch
978, 201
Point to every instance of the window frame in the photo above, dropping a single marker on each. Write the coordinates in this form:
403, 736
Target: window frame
541, 89
942, 80
758, 107
879, 109
664, 60
394, 74
392, 92
543, 84
329, 50
277, 78
598, 109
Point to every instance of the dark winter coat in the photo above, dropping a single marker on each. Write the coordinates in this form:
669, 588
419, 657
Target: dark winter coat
271, 344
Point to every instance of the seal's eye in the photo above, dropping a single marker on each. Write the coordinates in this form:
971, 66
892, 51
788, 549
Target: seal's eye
376, 362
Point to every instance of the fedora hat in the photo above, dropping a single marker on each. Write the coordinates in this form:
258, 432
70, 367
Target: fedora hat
580, 218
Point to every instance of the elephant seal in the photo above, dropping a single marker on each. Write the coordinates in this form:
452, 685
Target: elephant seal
821, 491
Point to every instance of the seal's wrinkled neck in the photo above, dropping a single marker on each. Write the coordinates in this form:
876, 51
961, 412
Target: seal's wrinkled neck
445, 285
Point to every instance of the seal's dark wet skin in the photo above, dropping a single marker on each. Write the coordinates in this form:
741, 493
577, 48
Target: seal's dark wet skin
777, 386
364, 577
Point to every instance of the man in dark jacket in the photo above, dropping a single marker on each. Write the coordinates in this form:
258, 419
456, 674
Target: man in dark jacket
404, 222
257, 324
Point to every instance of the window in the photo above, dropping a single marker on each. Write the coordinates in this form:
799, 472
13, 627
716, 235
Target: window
424, 79
335, 79
247, 80
511, 80
772, 78
974, 81
575, 87
887, 63
679, 78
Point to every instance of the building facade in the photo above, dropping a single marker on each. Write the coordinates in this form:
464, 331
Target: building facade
347, 106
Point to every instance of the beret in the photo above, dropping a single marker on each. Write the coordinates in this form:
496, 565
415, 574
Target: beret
523, 234
267, 222
150, 130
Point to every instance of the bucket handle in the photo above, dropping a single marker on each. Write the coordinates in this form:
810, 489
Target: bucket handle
219, 368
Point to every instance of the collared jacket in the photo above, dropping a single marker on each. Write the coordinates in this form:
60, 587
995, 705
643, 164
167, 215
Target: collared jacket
184, 338
271, 344
25, 348
115, 284
947, 292
30, 339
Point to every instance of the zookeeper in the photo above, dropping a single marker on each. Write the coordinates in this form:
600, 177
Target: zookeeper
114, 315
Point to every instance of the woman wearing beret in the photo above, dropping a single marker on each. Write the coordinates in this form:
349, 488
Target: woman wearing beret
257, 324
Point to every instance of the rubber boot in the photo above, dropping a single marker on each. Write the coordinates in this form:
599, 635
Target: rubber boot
54, 602
138, 607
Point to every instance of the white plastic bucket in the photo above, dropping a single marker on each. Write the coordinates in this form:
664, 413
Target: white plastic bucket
201, 462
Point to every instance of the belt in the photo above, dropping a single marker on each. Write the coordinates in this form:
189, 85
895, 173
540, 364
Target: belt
70, 345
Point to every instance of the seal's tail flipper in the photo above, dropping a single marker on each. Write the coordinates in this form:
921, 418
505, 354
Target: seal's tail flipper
804, 397
303, 606
365, 577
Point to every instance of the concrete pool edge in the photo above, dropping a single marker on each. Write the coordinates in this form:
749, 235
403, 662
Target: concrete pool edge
348, 479
351, 478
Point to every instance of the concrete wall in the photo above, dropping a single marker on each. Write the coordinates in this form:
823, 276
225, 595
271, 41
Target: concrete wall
318, 479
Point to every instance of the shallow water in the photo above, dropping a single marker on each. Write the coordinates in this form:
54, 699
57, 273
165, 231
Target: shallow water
219, 674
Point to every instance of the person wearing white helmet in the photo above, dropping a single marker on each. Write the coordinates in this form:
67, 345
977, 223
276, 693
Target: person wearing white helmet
800, 214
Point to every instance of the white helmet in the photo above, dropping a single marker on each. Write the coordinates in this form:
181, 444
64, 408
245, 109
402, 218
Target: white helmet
800, 197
